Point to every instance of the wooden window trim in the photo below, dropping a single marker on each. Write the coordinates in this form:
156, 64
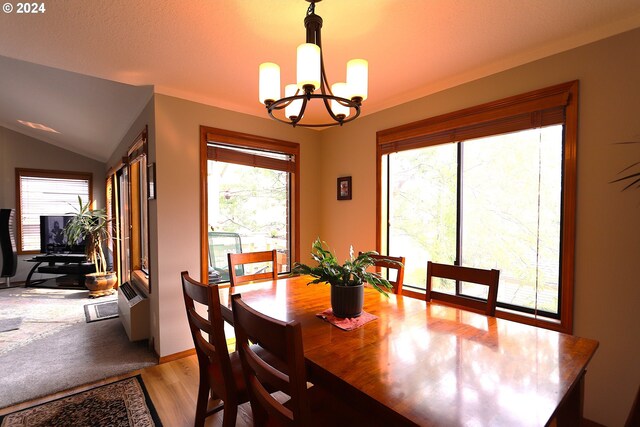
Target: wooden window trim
551, 105
43, 173
259, 143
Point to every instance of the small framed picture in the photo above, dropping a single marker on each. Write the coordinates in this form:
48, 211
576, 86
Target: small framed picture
151, 181
344, 188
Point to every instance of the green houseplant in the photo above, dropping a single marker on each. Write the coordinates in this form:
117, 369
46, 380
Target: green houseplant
347, 280
93, 227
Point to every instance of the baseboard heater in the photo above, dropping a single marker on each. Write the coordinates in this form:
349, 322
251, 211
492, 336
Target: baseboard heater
133, 308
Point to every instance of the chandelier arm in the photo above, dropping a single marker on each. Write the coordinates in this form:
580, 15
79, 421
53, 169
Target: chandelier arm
330, 111
295, 121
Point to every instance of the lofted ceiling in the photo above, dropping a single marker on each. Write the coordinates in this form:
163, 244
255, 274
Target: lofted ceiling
87, 68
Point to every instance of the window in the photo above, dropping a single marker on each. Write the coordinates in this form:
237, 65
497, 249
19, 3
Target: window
127, 191
488, 187
43, 192
251, 199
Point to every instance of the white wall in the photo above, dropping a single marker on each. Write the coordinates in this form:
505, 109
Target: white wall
607, 267
21, 151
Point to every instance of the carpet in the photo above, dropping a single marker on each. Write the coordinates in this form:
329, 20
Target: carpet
124, 403
10, 324
101, 311
44, 312
78, 354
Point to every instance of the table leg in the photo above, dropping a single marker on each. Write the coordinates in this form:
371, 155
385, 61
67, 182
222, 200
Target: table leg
569, 413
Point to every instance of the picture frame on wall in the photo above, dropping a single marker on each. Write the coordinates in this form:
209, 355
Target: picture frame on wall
344, 188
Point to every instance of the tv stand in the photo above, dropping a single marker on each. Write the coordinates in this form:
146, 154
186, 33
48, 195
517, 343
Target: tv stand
70, 268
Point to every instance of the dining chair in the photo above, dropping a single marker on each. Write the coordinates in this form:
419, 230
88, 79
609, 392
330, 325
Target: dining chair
394, 263
306, 406
220, 371
488, 278
252, 258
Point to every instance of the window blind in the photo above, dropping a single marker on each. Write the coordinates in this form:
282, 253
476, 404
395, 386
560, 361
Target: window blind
47, 195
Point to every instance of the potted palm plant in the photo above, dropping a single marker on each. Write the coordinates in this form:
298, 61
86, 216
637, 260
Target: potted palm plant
347, 280
93, 227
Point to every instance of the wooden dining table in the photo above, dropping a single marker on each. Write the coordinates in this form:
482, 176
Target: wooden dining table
422, 363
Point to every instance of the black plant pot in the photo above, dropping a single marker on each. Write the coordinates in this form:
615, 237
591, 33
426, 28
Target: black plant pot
347, 301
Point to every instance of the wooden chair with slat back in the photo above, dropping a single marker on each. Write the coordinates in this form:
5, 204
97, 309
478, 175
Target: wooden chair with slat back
488, 278
251, 258
220, 372
283, 342
389, 262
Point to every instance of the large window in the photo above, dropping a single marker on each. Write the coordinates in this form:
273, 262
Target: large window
250, 194
44, 192
488, 187
127, 192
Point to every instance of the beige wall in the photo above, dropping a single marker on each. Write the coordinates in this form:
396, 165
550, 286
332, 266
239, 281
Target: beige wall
21, 151
177, 173
607, 288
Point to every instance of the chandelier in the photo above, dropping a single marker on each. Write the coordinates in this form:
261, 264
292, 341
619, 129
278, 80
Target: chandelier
342, 101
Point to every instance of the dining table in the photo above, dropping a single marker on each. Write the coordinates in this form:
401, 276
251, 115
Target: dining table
427, 364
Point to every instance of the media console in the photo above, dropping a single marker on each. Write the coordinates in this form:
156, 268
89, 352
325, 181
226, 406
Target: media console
70, 268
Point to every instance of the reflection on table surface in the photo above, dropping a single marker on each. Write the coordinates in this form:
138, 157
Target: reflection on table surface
424, 363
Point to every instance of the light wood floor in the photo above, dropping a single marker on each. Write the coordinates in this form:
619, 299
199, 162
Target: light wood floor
173, 388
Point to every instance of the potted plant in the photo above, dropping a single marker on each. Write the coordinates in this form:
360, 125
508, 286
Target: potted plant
93, 228
347, 280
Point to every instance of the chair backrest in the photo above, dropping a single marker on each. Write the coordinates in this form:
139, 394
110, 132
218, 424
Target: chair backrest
488, 278
212, 351
252, 258
389, 262
284, 369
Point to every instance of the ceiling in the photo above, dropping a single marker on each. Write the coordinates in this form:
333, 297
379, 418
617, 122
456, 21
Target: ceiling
87, 68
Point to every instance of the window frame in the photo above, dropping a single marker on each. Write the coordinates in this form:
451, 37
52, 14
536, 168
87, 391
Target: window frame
552, 105
243, 140
43, 173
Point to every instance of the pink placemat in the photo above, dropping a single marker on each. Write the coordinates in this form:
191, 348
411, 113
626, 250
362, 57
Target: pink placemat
349, 323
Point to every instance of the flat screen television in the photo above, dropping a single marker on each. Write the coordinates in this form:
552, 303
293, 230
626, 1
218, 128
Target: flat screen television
52, 238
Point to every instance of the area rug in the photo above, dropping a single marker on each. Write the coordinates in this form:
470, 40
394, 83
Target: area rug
10, 324
124, 403
101, 311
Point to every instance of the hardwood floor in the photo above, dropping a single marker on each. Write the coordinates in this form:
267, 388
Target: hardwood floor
173, 388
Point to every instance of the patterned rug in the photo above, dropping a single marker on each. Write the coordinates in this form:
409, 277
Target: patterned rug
101, 311
124, 403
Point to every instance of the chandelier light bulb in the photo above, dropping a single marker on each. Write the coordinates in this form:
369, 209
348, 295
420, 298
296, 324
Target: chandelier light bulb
308, 70
340, 90
357, 79
292, 111
269, 88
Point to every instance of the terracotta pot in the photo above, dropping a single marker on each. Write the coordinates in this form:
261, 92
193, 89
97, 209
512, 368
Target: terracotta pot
347, 301
100, 284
